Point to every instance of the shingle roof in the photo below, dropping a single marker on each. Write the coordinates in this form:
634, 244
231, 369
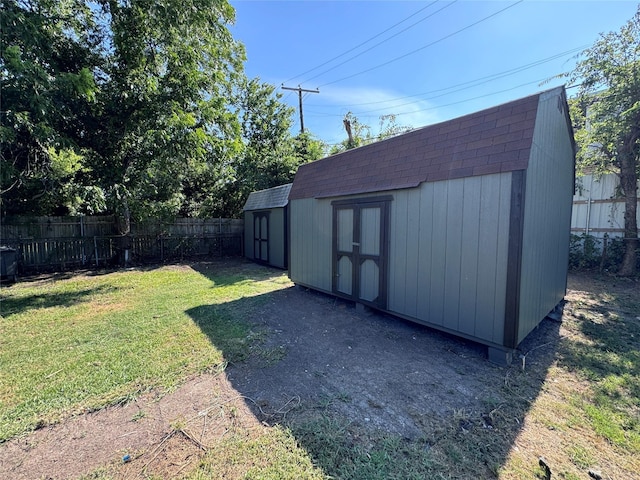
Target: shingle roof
270, 198
490, 141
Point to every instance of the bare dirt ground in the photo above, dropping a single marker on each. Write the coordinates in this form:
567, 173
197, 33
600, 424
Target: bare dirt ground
316, 352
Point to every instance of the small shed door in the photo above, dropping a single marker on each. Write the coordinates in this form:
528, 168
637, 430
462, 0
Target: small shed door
360, 250
261, 236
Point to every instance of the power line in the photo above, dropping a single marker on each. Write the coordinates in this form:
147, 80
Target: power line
471, 99
380, 43
474, 98
360, 44
367, 113
472, 83
478, 97
423, 47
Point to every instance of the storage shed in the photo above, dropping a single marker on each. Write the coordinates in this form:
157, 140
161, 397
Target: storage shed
265, 226
463, 226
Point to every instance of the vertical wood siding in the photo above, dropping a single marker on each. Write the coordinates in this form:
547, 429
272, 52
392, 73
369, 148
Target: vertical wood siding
448, 255
492, 262
547, 221
275, 239
277, 252
425, 248
248, 235
453, 253
310, 247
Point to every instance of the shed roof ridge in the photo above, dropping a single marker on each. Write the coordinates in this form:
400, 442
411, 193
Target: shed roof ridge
443, 122
273, 188
492, 140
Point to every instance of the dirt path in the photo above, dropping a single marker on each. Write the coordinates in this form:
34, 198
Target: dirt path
147, 430
379, 372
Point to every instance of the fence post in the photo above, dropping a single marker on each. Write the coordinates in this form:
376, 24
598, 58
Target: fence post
82, 252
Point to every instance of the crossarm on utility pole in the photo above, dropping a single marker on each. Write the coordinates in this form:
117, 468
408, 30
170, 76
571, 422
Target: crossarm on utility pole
300, 90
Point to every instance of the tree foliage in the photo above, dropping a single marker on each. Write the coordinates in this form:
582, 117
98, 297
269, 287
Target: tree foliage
134, 107
606, 116
171, 67
359, 134
46, 70
270, 157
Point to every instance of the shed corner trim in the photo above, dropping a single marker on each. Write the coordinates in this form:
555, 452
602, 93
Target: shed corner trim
514, 258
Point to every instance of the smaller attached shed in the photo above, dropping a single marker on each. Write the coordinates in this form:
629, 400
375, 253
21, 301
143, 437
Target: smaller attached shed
265, 226
463, 226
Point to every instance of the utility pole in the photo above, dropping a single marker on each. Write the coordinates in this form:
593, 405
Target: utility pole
300, 90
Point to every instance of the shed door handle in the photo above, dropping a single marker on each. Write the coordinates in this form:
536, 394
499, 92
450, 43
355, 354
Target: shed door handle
355, 244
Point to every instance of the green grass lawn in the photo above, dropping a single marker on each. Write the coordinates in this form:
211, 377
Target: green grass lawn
79, 343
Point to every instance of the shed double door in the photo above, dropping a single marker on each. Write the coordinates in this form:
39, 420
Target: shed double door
360, 249
261, 236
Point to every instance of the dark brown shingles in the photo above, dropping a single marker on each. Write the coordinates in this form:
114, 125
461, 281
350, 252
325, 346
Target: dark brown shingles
490, 141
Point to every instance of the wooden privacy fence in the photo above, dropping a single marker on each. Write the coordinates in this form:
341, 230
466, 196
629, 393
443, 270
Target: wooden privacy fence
66, 242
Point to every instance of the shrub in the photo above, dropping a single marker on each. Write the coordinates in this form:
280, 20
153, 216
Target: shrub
587, 252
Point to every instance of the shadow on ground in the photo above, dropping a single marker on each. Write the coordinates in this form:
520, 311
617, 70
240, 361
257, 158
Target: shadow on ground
12, 305
366, 390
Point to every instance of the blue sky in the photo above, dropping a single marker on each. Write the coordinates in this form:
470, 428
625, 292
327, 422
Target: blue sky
425, 61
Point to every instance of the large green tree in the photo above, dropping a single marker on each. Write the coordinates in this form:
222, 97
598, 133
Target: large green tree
114, 104
47, 60
606, 118
163, 116
269, 155
136, 107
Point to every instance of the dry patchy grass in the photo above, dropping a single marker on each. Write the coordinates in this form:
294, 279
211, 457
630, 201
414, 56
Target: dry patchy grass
587, 414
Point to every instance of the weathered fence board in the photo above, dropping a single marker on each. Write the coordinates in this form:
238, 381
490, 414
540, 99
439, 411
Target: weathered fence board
67, 242
86, 226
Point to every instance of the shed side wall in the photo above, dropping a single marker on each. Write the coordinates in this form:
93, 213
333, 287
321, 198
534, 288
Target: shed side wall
311, 242
448, 254
276, 238
277, 254
248, 235
547, 221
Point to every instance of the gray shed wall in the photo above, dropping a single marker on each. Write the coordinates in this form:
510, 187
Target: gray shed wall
448, 255
447, 252
277, 236
547, 215
310, 242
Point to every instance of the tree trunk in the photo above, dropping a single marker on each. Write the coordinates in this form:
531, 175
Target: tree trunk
629, 185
